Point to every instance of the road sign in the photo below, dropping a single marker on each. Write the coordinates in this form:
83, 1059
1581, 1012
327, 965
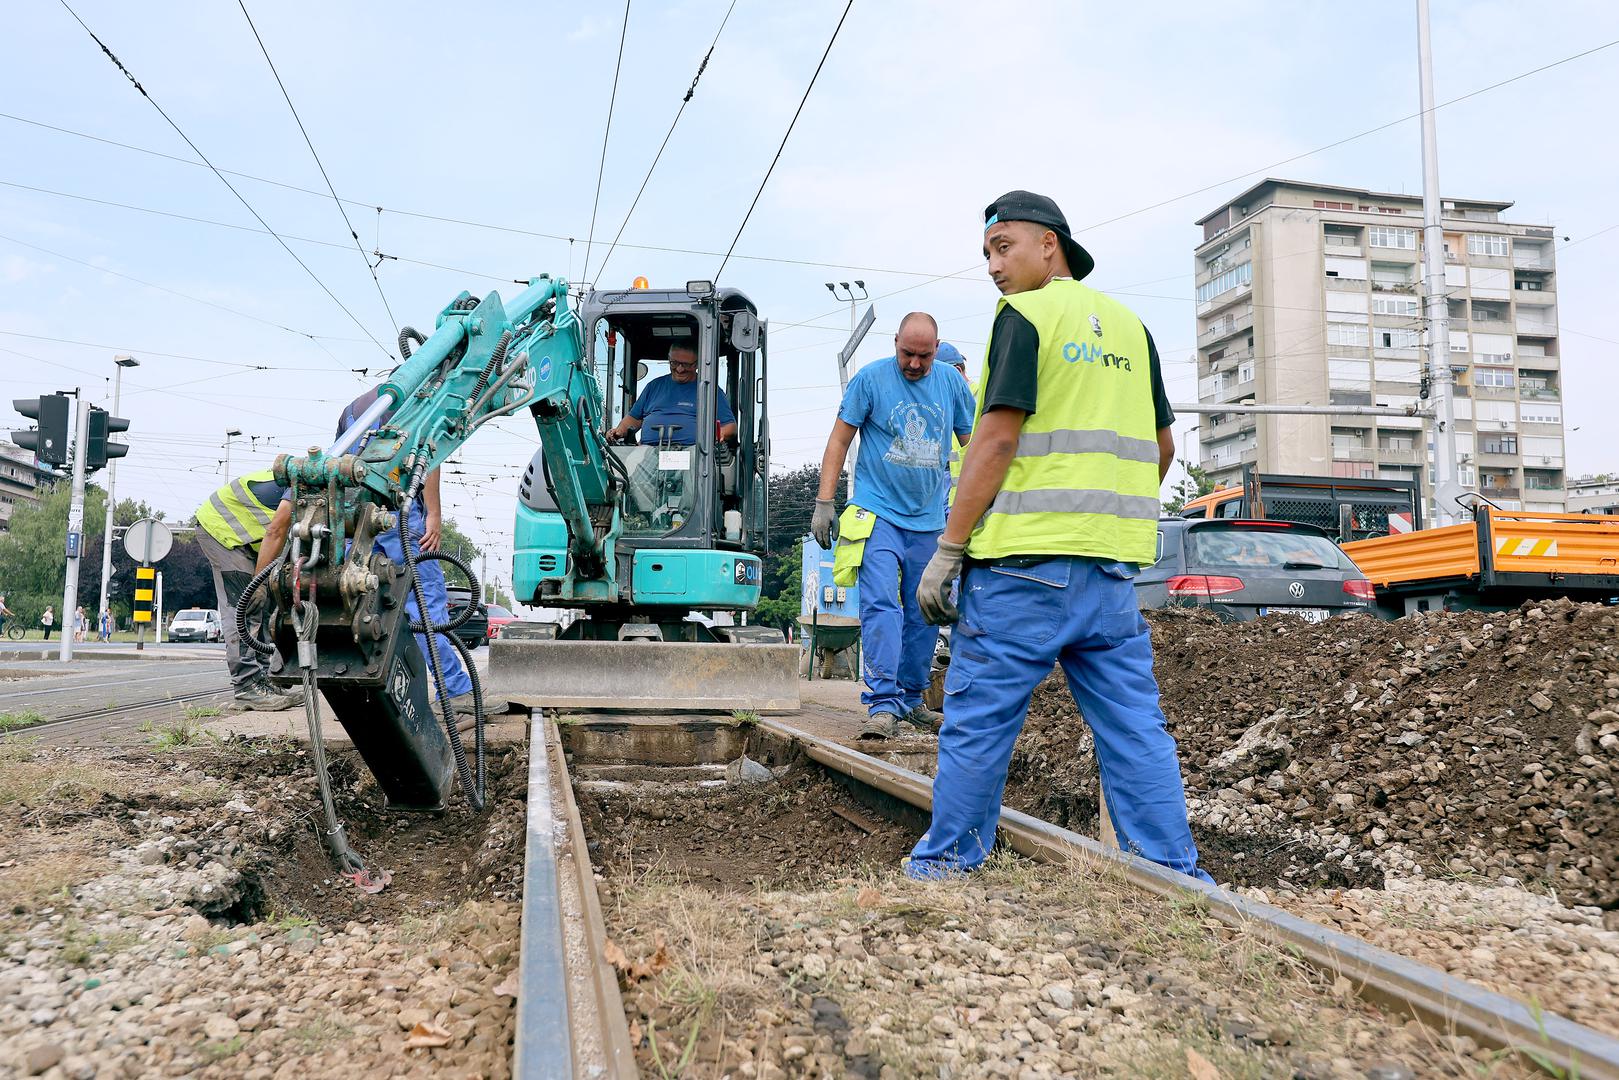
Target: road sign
856, 335
148, 540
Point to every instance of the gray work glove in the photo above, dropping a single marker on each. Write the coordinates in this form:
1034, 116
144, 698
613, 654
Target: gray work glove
933, 594
824, 525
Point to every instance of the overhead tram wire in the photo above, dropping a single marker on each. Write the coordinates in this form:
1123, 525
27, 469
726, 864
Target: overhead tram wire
790, 125
607, 129
119, 64
371, 268
690, 90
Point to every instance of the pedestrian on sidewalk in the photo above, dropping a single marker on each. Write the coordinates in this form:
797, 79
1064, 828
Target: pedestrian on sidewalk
1055, 512
5, 613
80, 624
905, 409
48, 620
234, 527
106, 625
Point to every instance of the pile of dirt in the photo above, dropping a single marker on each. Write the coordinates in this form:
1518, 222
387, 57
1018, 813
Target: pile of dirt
801, 828
1461, 743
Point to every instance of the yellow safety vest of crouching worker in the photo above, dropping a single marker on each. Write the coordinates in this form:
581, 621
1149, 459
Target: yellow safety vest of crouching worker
233, 516
1084, 480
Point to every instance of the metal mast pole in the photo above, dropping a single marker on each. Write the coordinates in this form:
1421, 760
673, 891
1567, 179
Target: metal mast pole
121, 362
75, 533
1447, 484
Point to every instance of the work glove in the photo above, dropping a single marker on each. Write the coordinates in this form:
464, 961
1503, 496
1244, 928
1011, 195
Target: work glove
933, 594
824, 525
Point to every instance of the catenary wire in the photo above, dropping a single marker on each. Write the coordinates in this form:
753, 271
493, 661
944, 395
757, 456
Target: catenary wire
369, 266
607, 129
239, 196
690, 90
788, 134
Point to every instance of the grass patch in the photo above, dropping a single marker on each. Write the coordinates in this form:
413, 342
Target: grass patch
176, 734
202, 712
219, 1051
30, 883
27, 777
80, 944
22, 718
744, 717
322, 1033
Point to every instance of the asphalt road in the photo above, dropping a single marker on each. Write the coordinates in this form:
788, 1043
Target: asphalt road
55, 690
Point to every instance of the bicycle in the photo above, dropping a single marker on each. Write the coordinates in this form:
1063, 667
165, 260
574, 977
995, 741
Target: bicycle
15, 630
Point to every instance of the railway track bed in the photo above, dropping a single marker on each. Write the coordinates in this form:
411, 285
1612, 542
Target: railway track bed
637, 902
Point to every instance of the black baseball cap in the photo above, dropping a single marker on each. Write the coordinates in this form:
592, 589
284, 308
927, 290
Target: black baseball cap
1027, 206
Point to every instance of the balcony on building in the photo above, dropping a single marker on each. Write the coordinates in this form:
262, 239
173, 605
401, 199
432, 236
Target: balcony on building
1534, 323
1224, 425
1538, 385
1343, 239
1226, 327
1529, 255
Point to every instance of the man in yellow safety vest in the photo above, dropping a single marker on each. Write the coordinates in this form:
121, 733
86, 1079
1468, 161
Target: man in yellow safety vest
232, 527
1056, 510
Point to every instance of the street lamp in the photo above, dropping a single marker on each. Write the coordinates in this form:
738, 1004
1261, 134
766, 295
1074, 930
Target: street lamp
229, 435
844, 292
122, 362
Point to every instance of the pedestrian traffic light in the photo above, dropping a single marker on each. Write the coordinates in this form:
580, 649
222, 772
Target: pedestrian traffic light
98, 449
48, 441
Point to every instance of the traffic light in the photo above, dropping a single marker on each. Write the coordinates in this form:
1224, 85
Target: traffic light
98, 449
49, 441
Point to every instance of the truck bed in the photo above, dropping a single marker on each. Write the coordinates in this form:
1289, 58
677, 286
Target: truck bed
1567, 554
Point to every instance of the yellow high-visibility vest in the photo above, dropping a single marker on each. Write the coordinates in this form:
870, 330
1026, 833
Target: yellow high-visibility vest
849, 549
234, 516
1084, 480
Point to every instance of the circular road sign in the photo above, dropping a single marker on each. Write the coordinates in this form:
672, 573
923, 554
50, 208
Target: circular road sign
148, 540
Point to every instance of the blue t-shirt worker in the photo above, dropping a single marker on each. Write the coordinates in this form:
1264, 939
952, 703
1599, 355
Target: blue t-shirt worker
905, 409
666, 410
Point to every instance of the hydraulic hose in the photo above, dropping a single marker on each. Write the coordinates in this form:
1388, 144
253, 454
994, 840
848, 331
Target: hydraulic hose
496, 358
243, 631
470, 786
408, 334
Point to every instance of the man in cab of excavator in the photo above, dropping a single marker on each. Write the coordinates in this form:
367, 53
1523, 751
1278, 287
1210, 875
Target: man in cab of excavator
665, 412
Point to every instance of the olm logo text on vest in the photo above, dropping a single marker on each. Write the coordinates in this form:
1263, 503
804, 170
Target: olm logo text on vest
1075, 351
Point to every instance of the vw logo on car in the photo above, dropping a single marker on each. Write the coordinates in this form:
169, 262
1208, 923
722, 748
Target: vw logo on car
1296, 590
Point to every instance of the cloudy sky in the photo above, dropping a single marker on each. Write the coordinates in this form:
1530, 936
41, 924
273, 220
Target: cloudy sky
480, 137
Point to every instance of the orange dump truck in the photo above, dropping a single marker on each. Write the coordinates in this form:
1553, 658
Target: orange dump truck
1498, 560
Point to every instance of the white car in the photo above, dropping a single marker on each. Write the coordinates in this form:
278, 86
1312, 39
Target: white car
197, 624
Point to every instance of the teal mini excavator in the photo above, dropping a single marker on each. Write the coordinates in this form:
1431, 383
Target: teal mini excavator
654, 548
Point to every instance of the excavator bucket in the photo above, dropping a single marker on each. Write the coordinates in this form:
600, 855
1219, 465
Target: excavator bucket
645, 675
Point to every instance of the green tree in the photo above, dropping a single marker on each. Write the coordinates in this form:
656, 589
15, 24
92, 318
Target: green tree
33, 553
782, 609
1196, 482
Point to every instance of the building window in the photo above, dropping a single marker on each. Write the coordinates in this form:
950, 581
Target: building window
1348, 333
1486, 244
1388, 237
1393, 305
1498, 444
1395, 339
1491, 377
1389, 210
1327, 204
1541, 414
1493, 358
1225, 282
1400, 444
1529, 285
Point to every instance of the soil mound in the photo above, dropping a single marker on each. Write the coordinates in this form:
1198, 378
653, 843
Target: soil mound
1476, 742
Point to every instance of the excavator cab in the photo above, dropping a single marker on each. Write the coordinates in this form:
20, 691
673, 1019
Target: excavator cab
687, 539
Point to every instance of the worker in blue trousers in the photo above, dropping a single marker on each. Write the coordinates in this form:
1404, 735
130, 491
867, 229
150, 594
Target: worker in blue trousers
425, 524
1055, 512
905, 409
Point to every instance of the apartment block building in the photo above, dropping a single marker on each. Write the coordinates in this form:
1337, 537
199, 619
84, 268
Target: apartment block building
20, 480
1309, 294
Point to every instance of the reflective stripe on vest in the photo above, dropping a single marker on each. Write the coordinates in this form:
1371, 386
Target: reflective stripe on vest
1084, 479
233, 515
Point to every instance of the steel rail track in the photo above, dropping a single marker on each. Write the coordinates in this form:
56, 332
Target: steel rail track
114, 710
570, 1016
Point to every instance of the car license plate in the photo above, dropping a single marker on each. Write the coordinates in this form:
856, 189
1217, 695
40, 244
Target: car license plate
1308, 614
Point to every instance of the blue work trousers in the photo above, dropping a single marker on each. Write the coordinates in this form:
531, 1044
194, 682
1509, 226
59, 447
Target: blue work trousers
896, 643
1015, 623
456, 680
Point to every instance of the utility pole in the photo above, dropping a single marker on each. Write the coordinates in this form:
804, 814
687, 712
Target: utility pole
229, 435
75, 532
1447, 485
112, 487
846, 354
